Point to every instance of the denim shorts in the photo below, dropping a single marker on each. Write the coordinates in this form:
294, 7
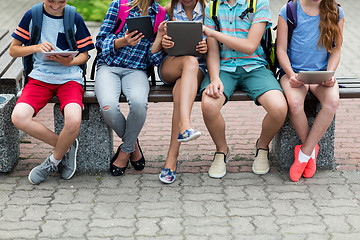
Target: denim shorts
253, 83
202, 67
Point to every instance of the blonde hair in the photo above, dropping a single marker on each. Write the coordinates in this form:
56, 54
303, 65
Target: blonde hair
143, 5
329, 28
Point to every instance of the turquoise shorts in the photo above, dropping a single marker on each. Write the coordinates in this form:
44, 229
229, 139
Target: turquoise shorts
253, 83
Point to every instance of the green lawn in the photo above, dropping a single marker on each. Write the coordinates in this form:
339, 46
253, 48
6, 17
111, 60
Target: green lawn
95, 10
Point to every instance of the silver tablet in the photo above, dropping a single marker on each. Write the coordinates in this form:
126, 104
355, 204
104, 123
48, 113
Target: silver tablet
186, 36
315, 77
61, 53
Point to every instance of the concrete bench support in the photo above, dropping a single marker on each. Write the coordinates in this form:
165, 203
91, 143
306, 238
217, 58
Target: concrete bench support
285, 140
9, 135
95, 139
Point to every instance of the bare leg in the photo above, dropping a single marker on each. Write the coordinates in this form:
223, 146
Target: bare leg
67, 136
214, 120
186, 69
275, 105
22, 117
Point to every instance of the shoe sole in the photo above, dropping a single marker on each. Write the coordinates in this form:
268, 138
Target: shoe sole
260, 172
193, 137
76, 149
217, 176
165, 181
29, 177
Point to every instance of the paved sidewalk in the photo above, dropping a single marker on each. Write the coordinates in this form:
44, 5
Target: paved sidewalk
239, 206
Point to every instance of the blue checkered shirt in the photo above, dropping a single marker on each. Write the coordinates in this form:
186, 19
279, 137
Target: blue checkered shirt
134, 57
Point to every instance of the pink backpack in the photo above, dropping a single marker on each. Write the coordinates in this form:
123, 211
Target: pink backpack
124, 13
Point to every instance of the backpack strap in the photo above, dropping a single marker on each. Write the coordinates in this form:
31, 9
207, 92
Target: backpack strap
37, 18
69, 20
160, 16
250, 10
124, 9
291, 14
214, 5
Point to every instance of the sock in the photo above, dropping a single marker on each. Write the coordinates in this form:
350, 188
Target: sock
54, 161
70, 149
313, 154
303, 158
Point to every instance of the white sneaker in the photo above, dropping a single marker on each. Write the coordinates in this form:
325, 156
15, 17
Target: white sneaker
218, 166
261, 163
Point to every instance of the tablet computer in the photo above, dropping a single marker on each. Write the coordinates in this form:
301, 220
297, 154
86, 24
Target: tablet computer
186, 36
315, 77
143, 24
61, 53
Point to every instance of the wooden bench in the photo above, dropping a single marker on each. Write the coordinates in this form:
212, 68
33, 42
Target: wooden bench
11, 73
96, 138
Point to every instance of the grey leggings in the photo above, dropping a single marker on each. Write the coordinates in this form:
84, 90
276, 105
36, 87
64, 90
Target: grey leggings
110, 82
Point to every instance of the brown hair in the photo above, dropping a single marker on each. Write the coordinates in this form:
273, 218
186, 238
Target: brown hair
329, 28
173, 3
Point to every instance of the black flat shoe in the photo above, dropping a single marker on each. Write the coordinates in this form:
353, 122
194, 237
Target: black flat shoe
115, 170
139, 164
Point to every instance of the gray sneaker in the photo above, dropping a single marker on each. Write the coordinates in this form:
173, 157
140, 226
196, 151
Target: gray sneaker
68, 164
39, 173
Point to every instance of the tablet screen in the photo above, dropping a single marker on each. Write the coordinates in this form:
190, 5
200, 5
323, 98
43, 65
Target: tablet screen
315, 77
143, 24
186, 36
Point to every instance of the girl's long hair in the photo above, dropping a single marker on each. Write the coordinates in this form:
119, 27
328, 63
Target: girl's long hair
143, 5
173, 4
329, 28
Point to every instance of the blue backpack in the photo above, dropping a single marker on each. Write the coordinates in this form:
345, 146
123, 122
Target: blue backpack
35, 33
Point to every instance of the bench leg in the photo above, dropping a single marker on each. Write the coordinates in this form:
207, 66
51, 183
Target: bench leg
95, 140
9, 134
286, 139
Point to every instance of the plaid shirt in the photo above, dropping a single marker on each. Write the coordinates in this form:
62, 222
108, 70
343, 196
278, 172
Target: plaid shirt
232, 25
134, 57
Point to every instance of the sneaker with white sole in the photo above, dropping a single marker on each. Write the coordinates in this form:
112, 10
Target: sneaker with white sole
188, 135
39, 173
218, 166
68, 164
261, 163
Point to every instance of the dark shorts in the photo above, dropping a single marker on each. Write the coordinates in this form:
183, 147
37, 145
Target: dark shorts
253, 83
37, 94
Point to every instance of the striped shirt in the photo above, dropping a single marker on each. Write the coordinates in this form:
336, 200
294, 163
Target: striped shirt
52, 31
133, 57
231, 24
180, 15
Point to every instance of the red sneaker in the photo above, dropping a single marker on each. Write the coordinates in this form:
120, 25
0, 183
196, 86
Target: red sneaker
311, 165
297, 168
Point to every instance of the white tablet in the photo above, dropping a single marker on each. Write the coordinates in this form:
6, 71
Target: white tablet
315, 77
186, 36
61, 53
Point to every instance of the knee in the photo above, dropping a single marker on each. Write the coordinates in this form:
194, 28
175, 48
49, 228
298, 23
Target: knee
331, 105
72, 122
138, 106
191, 63
279, 111
208, 106
296, 106
19, 120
